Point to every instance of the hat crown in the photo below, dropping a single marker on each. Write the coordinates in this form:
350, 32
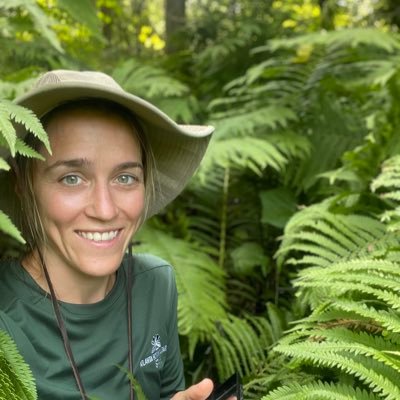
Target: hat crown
63, 76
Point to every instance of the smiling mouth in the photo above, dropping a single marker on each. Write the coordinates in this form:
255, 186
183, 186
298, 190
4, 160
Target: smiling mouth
99, 236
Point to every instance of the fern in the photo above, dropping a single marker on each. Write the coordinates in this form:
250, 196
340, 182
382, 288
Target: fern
238, 346
200, 283
255, 154
325, 237
387, 185
341, 333
373, 374
238, 343
319, 391
10, 111
9, 228
8, 139
16, 380
346, 37
158, 86
273, 117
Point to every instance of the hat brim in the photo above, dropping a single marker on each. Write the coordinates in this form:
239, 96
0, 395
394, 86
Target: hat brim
178, 149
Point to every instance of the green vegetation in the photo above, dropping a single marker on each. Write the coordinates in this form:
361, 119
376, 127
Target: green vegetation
286, 243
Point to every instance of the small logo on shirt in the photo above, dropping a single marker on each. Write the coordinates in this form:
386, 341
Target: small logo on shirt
156, 350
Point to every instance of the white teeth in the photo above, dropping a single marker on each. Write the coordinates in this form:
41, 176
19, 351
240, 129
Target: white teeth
99, 236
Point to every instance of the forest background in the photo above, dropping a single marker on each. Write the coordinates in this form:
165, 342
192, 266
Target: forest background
285, 244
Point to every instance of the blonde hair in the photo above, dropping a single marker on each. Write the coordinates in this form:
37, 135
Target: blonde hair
30, 221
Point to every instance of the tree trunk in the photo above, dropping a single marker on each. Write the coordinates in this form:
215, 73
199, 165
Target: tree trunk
175, 20
327, 14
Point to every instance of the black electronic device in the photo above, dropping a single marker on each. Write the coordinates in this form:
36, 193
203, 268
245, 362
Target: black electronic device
231, 387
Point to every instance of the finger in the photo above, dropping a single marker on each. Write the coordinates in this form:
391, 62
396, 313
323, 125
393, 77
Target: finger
200, 391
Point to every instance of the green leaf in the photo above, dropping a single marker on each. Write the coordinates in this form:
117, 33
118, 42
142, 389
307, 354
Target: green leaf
83, 11
4, 165
278, 205
248, 256
342, 37
16, 379
7, 129
28, 119
136, 385
25, 150
9, 228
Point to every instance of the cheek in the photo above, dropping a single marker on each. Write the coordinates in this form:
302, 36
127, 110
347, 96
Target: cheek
134, 205
56, 208
137, 205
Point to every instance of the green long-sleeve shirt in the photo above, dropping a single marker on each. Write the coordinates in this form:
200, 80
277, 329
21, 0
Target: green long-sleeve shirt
98, 333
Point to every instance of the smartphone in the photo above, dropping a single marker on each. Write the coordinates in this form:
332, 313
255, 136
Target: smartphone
231, 387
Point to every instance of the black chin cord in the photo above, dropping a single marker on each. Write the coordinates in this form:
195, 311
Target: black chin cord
63, 330
64, 334
129, 319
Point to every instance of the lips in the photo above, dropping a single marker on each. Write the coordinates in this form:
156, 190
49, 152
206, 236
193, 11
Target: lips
99, 236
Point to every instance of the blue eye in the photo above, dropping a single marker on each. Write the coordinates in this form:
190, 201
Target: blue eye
126, 179
71, 180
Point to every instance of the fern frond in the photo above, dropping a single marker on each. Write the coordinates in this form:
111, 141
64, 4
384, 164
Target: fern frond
156, 84
237, 345
387, 186
341, 288
344, 37
148, 81
26, 118
363, 368
16, 379
319, 391
24, 150
12, 90
9, 228
253, 153
228, 45
199, 280
244, 124
365, 267
387, 319
4, 165
379, 347
7, 129
327, 237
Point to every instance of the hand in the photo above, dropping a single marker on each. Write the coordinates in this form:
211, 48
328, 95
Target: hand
200, 391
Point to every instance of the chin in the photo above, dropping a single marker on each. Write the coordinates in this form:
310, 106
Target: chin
100, 268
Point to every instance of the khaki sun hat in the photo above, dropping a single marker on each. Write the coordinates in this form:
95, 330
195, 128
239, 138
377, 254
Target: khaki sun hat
177, 149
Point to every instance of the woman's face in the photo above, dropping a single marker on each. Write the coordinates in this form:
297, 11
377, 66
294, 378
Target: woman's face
90, 192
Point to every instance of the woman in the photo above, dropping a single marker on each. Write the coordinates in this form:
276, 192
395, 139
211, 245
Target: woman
82, 311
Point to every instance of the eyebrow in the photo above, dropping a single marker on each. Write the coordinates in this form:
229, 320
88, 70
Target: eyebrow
84, 162
128, 165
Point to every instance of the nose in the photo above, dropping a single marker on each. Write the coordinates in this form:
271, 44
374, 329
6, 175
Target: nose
102, 205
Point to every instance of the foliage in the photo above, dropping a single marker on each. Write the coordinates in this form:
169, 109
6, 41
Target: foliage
290, 216
13, 145
350, 285
156, 85
347, 277
16, 380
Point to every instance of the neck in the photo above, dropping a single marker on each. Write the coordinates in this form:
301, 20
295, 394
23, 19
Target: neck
69, 286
